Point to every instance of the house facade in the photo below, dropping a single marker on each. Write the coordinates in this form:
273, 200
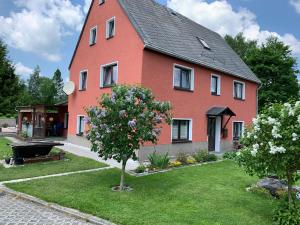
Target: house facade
212, 92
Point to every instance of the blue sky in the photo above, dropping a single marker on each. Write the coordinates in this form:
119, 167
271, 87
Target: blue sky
45, 32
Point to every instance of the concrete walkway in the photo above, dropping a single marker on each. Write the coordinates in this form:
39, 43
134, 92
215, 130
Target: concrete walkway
86, 152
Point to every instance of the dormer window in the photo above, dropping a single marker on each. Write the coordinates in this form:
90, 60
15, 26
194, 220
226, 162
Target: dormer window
203, 43
93, 35
110, 28
101, 2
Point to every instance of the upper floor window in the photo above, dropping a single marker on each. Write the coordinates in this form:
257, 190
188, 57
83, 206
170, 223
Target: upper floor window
181, 130
109, 75
110, 28
101, 2
183, 78
93, 36
215, 85
238, 129
83, 80
239, 90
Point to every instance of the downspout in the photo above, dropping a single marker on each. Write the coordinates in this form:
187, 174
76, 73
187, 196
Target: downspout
259, 87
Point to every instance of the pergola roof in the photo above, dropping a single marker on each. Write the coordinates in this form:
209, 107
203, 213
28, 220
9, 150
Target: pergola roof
220, 111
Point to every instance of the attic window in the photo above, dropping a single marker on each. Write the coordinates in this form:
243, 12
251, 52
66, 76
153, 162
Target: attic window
203, 43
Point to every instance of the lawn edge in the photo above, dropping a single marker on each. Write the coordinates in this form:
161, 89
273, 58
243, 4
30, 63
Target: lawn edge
69, 211
55, 175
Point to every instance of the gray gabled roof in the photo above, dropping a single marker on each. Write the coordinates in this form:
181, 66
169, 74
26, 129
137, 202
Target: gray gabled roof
168, 32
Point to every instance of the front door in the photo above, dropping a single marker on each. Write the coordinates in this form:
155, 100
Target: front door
211, 132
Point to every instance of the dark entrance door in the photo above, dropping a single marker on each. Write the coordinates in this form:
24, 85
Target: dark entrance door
211, 132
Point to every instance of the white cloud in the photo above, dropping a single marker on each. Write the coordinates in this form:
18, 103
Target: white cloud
40, 26
296, 5
222, 18
23, 70
86, 6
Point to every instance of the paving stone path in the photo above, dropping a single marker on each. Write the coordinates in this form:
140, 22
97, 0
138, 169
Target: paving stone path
17, 211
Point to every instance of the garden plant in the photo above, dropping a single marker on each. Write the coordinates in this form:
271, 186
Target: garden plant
272, 146
124, 120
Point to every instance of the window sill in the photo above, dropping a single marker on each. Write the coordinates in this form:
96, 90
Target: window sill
181, 141
183, 89
239, 99
215, 94
107, 86
81, 89
92, 44
108, 38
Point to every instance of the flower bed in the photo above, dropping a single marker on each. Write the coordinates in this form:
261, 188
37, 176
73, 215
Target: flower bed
159, 163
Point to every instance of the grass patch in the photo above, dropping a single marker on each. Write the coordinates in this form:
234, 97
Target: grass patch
5, 150
70, 164
211, 194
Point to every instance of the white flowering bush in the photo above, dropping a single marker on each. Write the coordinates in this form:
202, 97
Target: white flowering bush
272, 144
124, 121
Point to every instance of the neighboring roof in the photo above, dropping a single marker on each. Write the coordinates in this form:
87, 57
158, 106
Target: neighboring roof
168, 32
219, 111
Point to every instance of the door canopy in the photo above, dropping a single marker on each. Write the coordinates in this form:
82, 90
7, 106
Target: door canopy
220, 111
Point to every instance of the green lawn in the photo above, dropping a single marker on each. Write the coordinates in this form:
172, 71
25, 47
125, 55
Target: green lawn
211, 194
72, 163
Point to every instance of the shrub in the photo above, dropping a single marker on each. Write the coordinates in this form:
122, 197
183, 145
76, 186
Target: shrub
175, 164
287, 214
229, 155
160, 161
211, 157
5, 125
260, 191
191, 160
140, 169
182, 157
201, 156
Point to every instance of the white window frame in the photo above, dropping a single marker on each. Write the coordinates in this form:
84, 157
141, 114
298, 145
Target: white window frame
107, 27
102, 72
91, 32
244, 89
101, 2
80, 80
190, 128
219, 83
192, 85
77, 124
243, 127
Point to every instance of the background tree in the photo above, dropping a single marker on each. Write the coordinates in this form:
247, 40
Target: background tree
241, 46
274, 65
124, 121
10, 86
59, 84
47, 91
34, 85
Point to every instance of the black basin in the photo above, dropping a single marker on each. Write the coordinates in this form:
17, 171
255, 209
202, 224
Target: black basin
31, 150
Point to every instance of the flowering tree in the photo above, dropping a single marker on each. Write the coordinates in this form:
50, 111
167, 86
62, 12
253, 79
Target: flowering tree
124, 121
272, 144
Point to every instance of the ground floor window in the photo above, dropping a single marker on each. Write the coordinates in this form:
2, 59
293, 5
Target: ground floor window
238, 128
181, 130
80, 125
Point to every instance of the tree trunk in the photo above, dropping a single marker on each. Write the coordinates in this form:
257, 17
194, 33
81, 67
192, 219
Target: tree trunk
290, 186
123, 174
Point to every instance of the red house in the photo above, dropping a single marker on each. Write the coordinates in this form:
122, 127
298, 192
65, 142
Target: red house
212, 91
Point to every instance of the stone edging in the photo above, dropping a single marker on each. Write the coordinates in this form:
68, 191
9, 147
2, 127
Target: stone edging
132, 173
71, 212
